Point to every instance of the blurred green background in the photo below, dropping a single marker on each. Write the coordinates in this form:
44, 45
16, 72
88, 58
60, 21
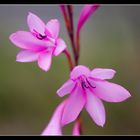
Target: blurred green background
110, 39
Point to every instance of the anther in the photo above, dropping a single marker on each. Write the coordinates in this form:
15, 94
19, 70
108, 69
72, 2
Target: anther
90, 83
84, 85
40, 37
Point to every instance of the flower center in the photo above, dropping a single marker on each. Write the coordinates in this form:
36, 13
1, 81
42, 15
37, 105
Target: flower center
83, 80
41, 37
38, 35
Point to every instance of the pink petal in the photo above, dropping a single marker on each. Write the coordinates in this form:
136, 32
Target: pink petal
95, 108
73, 106
102, 74
48, 33
26, 40
35, 24
61, 46
44, 61
54, 126
27, 56
78, 71
66, 88
53, 27
86, 12
110, 92
76, 129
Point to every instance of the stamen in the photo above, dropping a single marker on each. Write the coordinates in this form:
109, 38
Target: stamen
39, 36
84, 85
90, 83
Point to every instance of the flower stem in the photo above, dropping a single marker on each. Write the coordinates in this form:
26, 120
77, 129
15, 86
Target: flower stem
77, 46
68, 18
71, 32
67, 54
80, 122
70, 12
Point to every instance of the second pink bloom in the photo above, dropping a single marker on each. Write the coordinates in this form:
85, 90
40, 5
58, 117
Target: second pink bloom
40, 43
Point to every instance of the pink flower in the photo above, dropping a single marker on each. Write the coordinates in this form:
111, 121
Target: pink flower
55, 126
88, 89
86, 12
41, 43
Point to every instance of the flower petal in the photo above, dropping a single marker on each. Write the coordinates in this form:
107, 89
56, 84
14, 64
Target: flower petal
27, 56
61, 45
110, 92
102, 74
44, 61
26, 40
54, 126
66, 88
35, 24
95, 108
78, 71
76, 129
73, 106
86, 12
53, 27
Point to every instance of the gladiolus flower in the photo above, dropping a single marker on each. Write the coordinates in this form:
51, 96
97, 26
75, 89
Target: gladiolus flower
55, 126
88, 89
41, 43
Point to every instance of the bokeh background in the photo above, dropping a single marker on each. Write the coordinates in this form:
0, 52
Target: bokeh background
109, 39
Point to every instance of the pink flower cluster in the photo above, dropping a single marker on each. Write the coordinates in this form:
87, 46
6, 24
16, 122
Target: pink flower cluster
86, 88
